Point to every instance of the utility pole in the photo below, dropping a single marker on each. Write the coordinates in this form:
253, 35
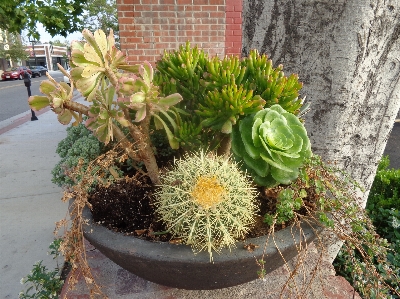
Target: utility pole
33, 50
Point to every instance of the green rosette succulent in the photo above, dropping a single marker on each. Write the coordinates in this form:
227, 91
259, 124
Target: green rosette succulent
273, 145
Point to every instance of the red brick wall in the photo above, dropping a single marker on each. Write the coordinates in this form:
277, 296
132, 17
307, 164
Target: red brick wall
147, 27
233, 33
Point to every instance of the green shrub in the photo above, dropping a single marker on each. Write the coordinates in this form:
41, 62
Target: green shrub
42, 283
383, 208
80, 143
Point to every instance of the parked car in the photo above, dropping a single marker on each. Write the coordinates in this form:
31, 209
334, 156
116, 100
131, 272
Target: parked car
66, 79
16, 72
38, 71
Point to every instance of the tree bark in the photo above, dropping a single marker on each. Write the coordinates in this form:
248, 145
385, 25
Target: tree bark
347, 54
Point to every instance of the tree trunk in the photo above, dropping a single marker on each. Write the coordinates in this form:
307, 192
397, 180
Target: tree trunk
347, 54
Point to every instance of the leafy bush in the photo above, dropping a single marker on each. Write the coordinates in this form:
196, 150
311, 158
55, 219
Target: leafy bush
79, 144
42, 283
383, 208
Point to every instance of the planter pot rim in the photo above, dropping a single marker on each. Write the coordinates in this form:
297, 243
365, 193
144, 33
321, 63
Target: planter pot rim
177, 266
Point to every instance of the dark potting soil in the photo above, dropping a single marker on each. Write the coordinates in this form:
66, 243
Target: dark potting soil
126, 207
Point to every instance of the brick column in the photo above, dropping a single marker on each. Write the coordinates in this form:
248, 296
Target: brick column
233, 33
148, 27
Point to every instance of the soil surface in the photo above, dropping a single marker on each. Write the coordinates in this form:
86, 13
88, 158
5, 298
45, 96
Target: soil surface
126, 207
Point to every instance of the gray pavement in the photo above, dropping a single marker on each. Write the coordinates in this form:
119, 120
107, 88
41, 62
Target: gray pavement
30, 205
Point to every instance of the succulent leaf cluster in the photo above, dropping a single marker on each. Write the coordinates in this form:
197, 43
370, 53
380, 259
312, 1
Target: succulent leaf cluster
207, 201
222, 91
273, 145
56, 95
92, 60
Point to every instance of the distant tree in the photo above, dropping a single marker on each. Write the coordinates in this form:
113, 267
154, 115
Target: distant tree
57, 42
57, 16
16, 50
102, 14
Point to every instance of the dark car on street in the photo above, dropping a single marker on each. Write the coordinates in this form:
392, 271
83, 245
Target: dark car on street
38, 71
16, 72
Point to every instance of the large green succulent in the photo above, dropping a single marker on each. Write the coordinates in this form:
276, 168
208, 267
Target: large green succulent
273, 144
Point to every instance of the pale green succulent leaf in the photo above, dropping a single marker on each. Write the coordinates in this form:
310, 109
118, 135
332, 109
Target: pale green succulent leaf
158, 124
237, 144
285, 154
66, 87
254, 132
140, 114
92, 55
278, 108
110, 40
46, 87
275, 164
146, 71
172, 122
120, 117
77, 117
138, 97
272, 115
129, 68
76, 73
108, 94
87, 85
245, 126
103, 133
77, 45
104, 114
79, 59
170, 100
65, 117
57, 102
261, 167
297, 144
91, 70
260, 115
173, 141
277, 134
101, 41
227, 127
92, 44
38, 102
284, 177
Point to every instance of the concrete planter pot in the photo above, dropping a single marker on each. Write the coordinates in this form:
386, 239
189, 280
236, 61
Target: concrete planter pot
176, 266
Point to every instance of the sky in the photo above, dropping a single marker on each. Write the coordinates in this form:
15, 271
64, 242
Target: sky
45, 37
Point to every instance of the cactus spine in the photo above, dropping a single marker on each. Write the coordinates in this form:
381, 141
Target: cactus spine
207, 202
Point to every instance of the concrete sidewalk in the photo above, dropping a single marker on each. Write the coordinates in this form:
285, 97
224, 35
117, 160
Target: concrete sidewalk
30, 205
29, 202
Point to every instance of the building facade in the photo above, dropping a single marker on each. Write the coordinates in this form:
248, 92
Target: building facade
148, 27
47, 55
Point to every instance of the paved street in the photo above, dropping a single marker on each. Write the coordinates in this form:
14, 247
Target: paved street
14, 95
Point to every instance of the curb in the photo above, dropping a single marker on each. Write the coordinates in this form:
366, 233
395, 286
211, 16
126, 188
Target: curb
13, 122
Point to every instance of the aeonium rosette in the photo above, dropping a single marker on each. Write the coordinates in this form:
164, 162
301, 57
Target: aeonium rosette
273, 144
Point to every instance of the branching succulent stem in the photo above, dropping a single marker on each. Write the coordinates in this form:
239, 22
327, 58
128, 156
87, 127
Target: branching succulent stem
77, 107
111, 76
145, 153
225, 145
